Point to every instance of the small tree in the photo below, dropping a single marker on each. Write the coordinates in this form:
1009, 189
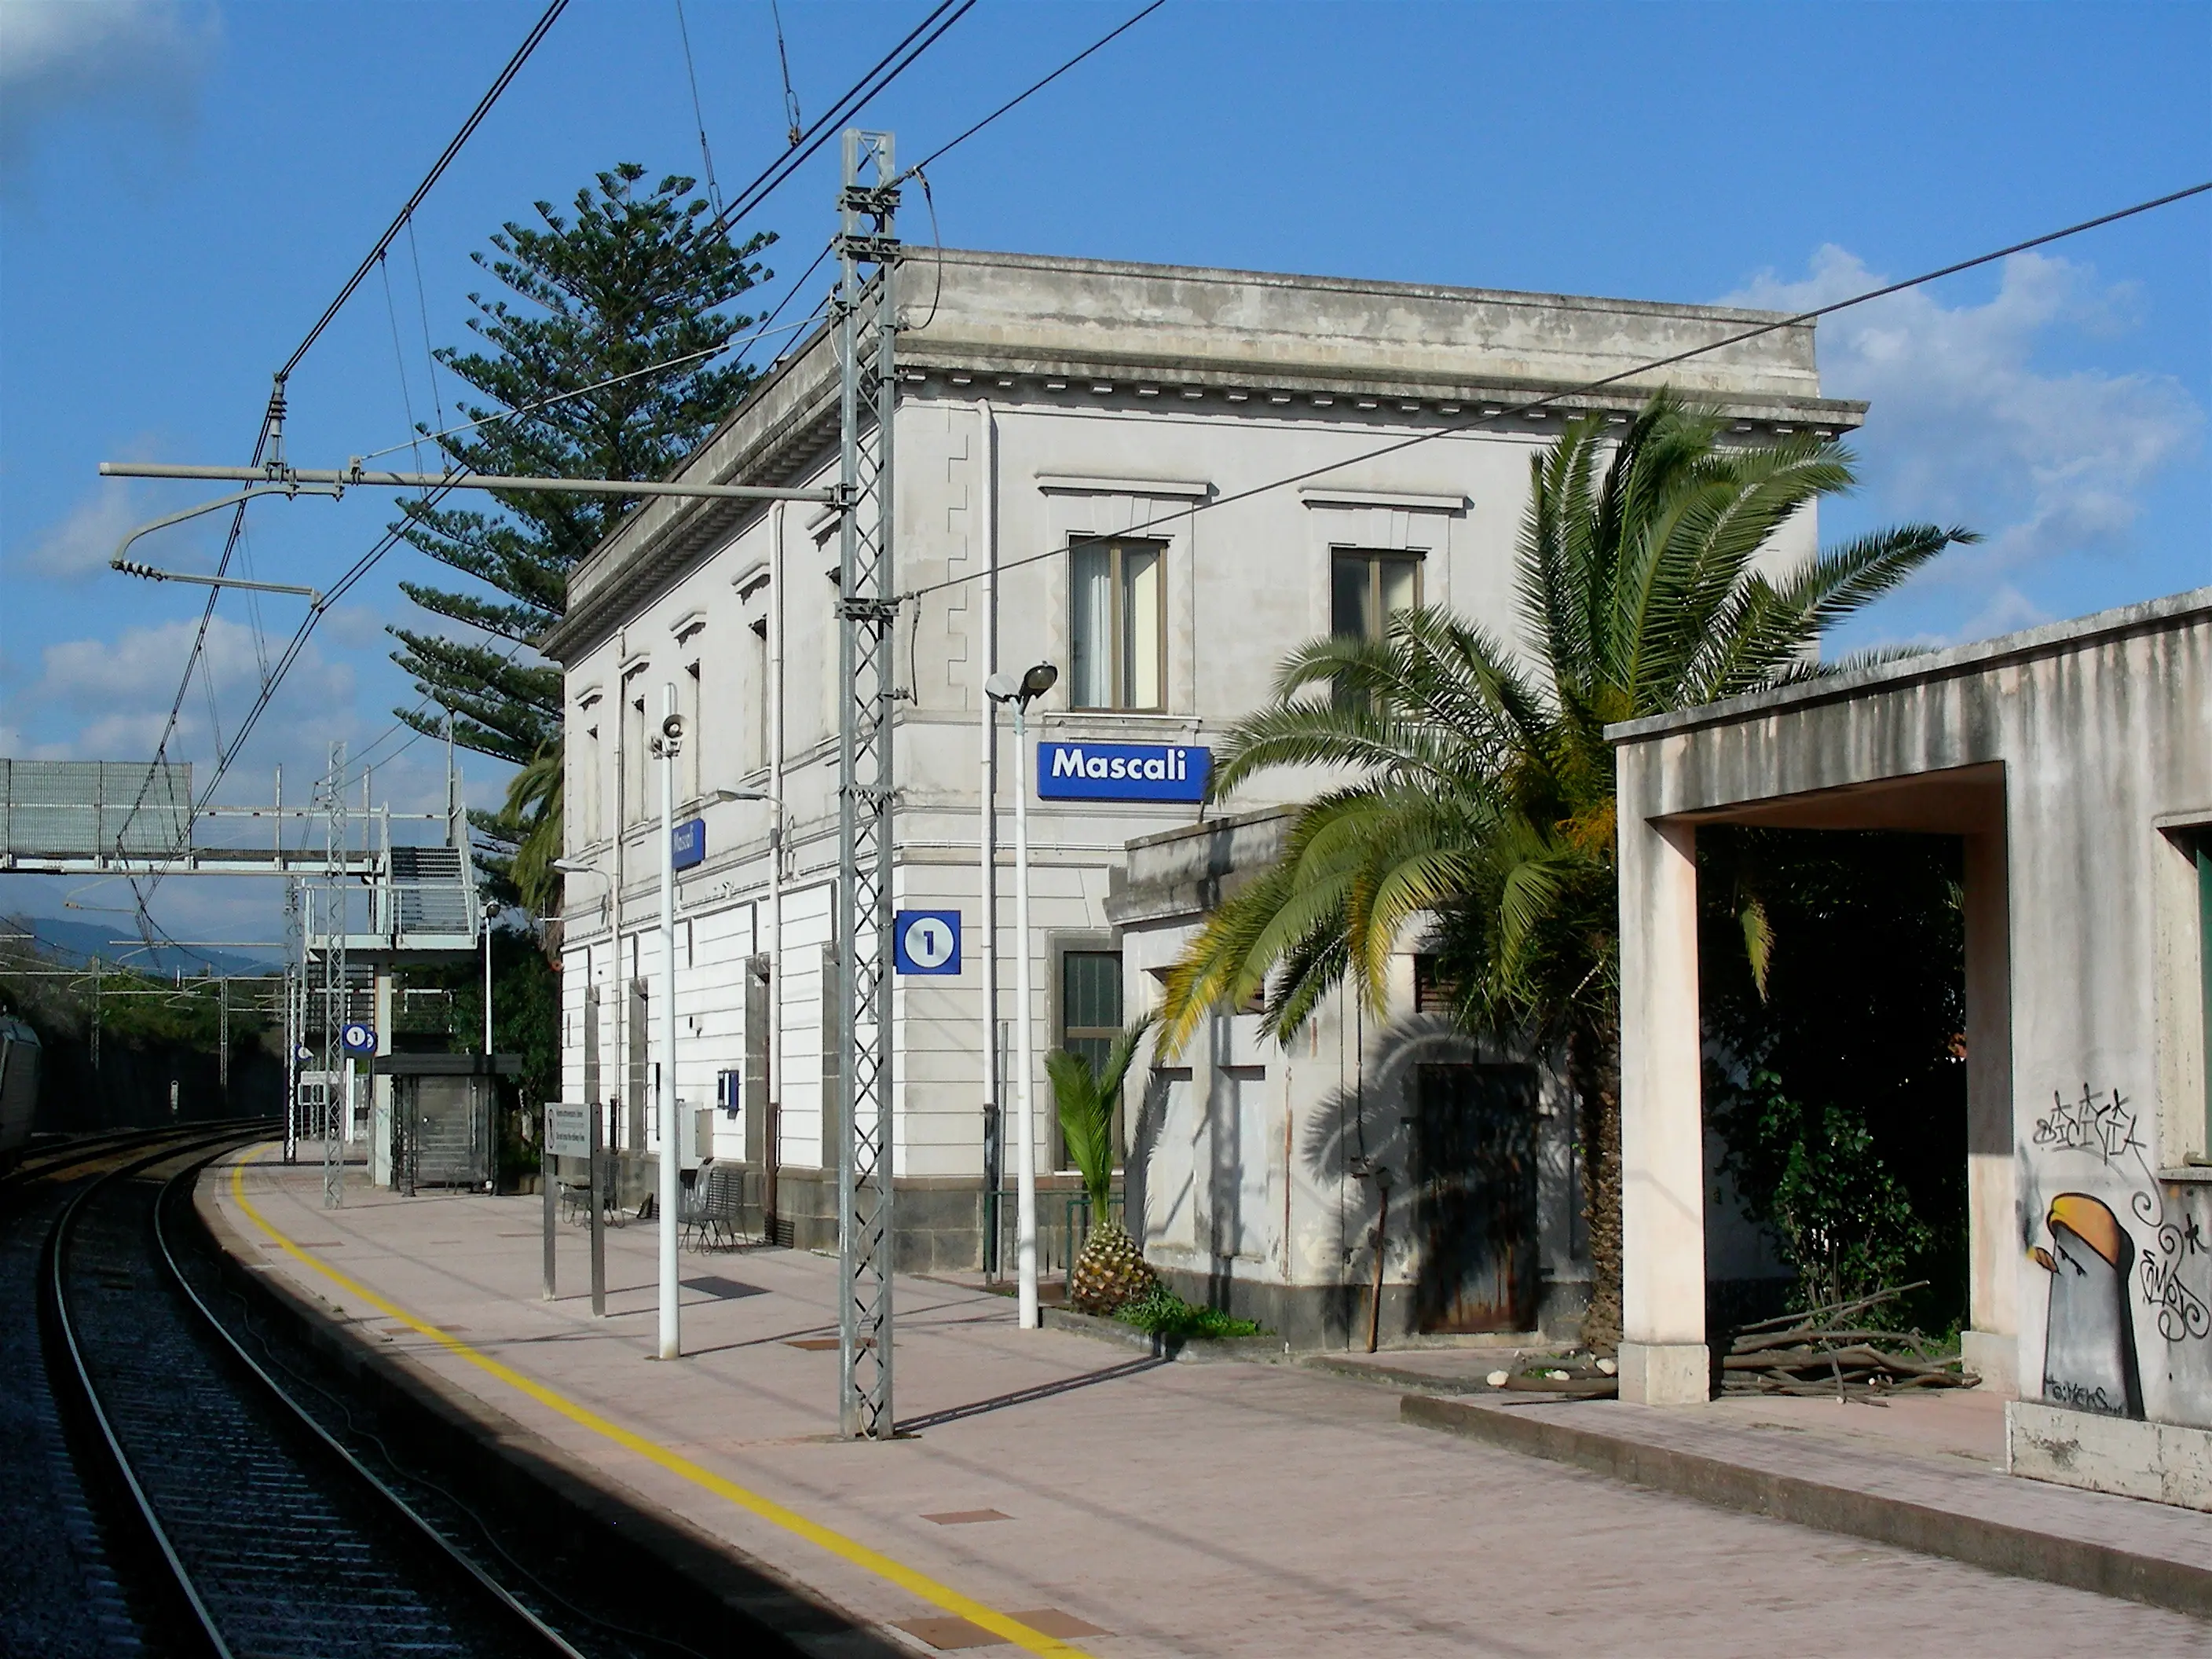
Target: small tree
1112, 1269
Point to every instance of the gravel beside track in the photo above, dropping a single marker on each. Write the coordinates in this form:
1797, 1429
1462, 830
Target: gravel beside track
277, 1540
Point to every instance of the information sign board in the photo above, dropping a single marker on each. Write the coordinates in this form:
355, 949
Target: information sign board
567, 1129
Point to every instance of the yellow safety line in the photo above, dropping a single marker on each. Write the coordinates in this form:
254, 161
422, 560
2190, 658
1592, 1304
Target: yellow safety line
847, 1549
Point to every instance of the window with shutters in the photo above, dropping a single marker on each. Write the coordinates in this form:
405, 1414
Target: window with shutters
1117, 625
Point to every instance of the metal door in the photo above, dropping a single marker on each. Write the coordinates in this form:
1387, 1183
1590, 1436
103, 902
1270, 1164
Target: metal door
1475, 1170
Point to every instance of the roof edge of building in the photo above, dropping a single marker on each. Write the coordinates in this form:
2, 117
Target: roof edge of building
2151, 615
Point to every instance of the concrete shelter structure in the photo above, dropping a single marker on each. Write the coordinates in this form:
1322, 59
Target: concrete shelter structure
1145, 416
2075, 762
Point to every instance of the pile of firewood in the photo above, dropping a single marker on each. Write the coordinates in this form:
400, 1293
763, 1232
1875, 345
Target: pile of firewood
1832, 1350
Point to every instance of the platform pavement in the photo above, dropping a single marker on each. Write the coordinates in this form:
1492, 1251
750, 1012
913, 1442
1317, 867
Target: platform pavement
1178, 1510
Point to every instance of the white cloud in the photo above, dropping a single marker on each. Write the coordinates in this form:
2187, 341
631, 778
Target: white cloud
84, 542
1965, 429
140, 58
120, 689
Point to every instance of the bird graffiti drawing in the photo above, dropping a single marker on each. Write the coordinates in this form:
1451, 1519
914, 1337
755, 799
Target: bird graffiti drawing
2089, 1339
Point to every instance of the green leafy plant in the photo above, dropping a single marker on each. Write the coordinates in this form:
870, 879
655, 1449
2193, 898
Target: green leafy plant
1810, 1171
1111, 1269
1161, 1312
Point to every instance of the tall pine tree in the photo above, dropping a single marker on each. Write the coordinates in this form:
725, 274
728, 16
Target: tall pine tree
628, 282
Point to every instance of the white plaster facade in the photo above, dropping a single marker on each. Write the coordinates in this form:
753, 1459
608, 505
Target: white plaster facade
1042, 400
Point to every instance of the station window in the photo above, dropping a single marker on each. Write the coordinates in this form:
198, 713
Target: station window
1367, 589
757, 734
1434, 991
1117, 625
1090, 1020
690, 700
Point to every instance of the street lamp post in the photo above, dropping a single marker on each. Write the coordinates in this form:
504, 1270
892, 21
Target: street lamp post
490, 913
1005, 687
668, 745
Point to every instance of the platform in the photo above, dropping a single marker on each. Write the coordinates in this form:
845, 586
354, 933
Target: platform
1060, 1495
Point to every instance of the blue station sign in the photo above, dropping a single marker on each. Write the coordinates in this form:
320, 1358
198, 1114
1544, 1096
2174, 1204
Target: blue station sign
687, 841
925, 941
1122, 771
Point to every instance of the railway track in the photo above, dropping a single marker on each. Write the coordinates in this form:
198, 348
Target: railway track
250, 1528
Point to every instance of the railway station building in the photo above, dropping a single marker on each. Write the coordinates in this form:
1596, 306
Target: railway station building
1131, 408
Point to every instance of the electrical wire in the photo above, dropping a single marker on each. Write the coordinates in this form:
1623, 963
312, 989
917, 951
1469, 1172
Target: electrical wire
1035, 87
272, 417
783, 59
1472, 422
927, 33
437, 170
753, 339
690, 74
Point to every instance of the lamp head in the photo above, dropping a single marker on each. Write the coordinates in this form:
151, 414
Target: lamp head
1002, 687
1038, 681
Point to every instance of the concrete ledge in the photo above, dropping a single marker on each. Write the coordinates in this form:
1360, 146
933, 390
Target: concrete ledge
2001, 1546
2164, 1462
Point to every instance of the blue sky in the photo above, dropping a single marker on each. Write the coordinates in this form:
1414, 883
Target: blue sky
184, 184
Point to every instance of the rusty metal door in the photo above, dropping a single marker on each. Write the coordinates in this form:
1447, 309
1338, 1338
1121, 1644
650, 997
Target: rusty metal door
1475, 1171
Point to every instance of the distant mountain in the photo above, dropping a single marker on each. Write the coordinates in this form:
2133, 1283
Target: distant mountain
77, 942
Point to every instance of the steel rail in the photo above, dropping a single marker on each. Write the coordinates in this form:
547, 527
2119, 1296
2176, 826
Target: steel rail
336, 1448
88, 1395
54, 1289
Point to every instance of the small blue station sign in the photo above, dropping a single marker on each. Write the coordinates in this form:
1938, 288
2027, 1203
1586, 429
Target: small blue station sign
687, 841
1122, 771
925, 941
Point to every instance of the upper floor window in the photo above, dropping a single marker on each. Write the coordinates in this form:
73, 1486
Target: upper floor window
1117, 625
1367, 589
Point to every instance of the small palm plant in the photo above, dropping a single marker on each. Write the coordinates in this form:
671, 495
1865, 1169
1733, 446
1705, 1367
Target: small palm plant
1111, 1270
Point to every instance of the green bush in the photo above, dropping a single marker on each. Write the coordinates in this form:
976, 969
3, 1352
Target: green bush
1162, 1313
1809, 1170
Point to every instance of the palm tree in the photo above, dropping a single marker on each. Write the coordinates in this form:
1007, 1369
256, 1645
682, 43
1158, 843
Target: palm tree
1481, 808
531, 816
1111, 1270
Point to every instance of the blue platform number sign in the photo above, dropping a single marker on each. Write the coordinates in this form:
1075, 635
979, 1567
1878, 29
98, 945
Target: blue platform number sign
926, 941
1122, 771
356, 1038
687, 840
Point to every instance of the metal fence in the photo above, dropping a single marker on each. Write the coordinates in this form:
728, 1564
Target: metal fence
84, 809
1063, 1228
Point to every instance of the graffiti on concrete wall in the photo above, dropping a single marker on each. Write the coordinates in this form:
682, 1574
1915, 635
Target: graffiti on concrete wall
2123, 1267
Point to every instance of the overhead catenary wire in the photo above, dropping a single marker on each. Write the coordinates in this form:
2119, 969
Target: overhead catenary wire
893, 64
698, 115
885, 70
272, 417
783, 60
430, 179
1035, 87
1504, 411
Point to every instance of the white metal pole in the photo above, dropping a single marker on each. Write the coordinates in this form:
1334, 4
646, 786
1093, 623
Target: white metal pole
1025, 1136
773, 1153
995, 1104
670, 1136
489, 911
